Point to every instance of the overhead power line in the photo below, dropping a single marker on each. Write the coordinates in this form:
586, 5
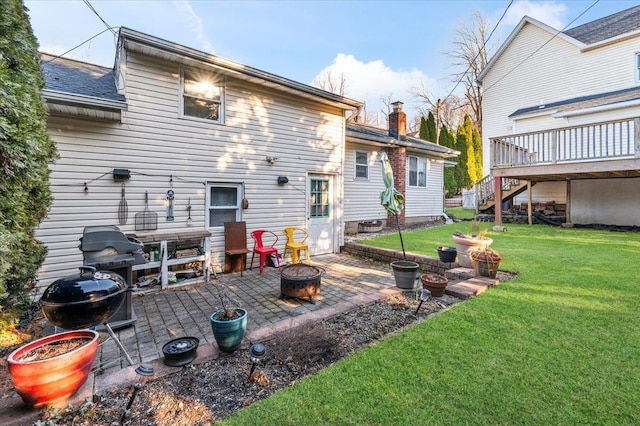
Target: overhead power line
479, 51
74, 48
543, 45
109, 27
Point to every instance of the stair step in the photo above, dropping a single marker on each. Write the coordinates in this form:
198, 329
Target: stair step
471, 287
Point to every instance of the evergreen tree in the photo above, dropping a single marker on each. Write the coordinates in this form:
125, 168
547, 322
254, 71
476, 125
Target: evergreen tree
450, 185
461, 172
428, 128
465, 145
26, 150
477, 150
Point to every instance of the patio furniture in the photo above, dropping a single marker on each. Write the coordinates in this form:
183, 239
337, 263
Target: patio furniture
294, 246
235, 246
262, 249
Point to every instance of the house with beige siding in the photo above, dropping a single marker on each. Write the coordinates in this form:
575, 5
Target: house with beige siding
190, 141
561, 119
204, 139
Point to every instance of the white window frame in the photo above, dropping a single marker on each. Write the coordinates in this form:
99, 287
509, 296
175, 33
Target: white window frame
209, 208
637, 67
364, 165
220, 84
420, 166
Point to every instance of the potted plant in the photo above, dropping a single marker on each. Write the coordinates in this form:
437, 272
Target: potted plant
228, 324
465, 243
53, 368
447, 254
486, 262
435, 283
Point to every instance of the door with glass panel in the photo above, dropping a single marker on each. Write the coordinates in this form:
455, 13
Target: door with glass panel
320, 214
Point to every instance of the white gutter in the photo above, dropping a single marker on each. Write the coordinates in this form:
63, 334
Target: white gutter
66, 98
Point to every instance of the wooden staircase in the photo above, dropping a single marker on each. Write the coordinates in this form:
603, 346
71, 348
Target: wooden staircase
485, 191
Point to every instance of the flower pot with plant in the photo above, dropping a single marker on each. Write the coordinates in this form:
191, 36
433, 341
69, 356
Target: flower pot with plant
435, 283
486, 262
52, 368
229, 324
468, 243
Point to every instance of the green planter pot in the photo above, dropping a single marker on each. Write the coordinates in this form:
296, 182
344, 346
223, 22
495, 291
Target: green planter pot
229, 334
405, 273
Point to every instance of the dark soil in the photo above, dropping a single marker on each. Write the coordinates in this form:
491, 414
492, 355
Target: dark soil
52, 349
208, 392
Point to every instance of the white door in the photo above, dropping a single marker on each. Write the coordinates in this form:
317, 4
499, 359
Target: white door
320, 214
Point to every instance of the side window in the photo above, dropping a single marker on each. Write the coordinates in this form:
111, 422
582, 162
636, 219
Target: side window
417, 172
202, 96
362, 165
637, 68
223, 204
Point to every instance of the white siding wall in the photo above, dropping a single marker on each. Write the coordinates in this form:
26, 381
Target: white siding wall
155, 144
362, 196
428, 201
557, 71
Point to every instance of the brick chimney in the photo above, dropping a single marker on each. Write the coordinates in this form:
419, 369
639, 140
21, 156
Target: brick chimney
398, 160
397, 121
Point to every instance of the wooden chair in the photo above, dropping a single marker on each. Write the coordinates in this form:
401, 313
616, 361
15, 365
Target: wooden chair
262, 250
235, 246
294, 246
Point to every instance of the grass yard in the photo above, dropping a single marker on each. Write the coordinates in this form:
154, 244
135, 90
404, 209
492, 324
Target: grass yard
460, 213
559, 345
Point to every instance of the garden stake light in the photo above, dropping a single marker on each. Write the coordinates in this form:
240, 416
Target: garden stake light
257, 353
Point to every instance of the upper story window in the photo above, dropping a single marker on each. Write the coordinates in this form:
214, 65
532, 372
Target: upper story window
362, 165
224, 202
202, 96
637, 67
417, 171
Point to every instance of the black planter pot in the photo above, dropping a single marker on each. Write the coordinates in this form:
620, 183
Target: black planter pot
447, 254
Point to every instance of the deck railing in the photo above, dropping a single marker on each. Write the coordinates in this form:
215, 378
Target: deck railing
599, 141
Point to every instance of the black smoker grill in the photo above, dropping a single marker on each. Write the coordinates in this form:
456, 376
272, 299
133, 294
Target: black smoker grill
106, 248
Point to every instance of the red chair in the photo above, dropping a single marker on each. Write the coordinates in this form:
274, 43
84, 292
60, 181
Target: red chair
262, 250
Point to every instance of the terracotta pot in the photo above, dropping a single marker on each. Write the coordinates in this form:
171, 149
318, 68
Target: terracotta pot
55, 379
435, 283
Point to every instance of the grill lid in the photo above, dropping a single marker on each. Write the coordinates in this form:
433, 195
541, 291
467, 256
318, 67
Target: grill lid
83, 300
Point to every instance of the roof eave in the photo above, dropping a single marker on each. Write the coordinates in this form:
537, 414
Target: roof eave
612, 40
54, 96
153, 46
595, 109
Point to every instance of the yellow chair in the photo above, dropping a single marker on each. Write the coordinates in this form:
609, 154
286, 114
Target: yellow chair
294, 246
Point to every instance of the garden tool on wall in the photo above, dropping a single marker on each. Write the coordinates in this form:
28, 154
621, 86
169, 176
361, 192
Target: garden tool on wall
170, 198
123, 209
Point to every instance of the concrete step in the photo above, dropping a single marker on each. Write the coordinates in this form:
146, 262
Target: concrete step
471, 287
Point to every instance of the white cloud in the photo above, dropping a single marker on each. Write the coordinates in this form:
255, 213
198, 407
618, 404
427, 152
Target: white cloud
197, 27
547, 12
371, 81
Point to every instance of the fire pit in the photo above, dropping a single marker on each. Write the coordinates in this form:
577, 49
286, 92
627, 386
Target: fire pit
300, 280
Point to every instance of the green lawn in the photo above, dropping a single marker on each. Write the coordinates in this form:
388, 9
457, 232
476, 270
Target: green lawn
559, 345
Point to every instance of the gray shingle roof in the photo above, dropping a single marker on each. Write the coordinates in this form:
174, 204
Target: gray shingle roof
80, 78
589, 101
608, 27
382, 136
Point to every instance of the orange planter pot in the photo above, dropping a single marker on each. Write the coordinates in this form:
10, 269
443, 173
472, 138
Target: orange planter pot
435, 283
54, 379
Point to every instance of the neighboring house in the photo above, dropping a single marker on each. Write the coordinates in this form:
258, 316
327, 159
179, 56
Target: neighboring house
561, 116
221, 135
418, 168
211, 141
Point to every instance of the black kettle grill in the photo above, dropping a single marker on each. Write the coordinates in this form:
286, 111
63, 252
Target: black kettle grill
83, 300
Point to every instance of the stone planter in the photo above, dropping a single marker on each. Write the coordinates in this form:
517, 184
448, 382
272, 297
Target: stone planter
405, 273
41, 381
465, 246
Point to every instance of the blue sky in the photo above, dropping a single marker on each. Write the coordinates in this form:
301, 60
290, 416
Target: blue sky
384, 48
